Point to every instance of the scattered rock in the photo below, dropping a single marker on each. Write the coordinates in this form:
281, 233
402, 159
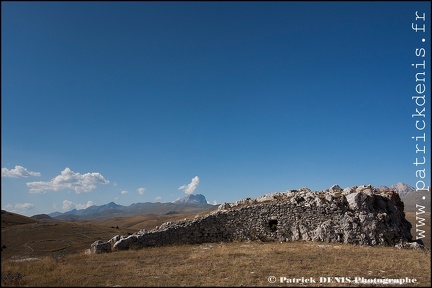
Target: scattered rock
411, 245
100, 247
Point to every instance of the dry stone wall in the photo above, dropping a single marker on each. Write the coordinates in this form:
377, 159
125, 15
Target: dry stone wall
359, 215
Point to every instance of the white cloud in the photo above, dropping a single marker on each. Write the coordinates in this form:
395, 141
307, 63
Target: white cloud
24, 206
158, 198
18, 172
141, 191
8, 206
69, 180
124, 192
84, 206
69, 205
214, 202
190, 188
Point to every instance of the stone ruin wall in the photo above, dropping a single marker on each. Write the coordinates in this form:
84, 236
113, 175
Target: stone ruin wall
357, 215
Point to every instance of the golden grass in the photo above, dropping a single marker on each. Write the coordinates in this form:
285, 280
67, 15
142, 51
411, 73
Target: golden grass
53, 238
59, 247
222, 264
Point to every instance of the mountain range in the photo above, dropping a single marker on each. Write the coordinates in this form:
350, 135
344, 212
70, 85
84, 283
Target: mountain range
194, 203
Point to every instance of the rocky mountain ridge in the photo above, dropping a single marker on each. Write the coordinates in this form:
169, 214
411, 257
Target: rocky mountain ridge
192, 199
196, 204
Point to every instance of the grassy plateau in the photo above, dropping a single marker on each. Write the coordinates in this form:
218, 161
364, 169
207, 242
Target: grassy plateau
51, 253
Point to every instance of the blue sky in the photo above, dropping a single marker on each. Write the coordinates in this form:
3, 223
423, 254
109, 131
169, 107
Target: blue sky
148, 101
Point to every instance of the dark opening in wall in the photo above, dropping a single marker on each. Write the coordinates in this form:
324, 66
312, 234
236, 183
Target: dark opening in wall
273, 225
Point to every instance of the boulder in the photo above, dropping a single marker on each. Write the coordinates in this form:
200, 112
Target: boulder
100, 247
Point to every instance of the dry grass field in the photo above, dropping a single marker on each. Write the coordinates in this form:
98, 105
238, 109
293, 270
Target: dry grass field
24, 237
51, 253
222, 264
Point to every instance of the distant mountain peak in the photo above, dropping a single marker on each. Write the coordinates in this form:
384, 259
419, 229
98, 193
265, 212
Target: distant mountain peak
192, 199
112, 205
401, 185
402, 188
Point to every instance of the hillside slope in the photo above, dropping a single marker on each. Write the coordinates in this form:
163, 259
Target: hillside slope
11, 219
24, 237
